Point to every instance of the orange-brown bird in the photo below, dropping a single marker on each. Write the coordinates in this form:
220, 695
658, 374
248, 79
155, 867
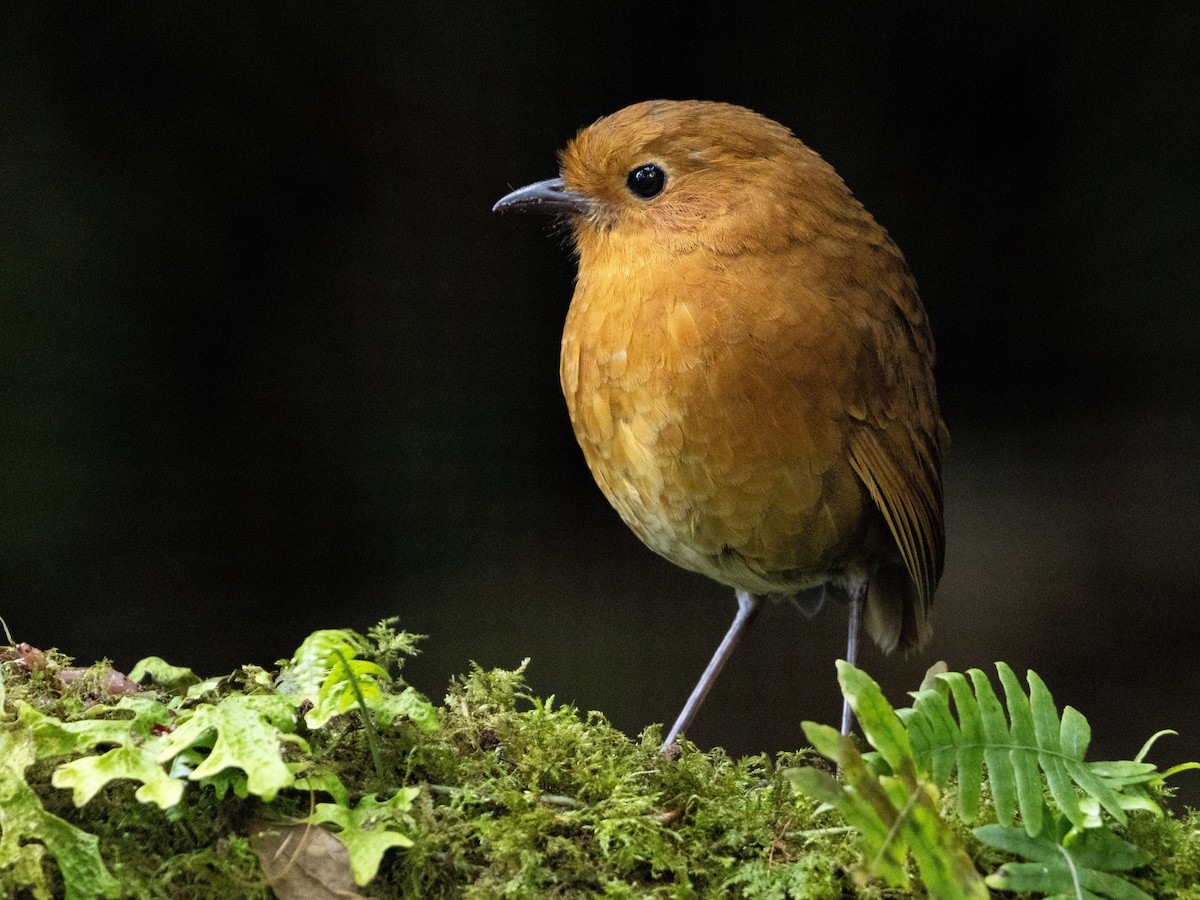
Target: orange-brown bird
749, 369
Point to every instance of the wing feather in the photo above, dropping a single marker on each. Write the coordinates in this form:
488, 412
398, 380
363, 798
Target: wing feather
896, 466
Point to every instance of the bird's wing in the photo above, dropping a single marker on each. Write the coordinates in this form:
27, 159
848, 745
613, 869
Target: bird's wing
900, 469
868, 339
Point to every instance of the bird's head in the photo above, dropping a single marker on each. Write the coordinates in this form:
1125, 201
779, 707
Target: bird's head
681, 176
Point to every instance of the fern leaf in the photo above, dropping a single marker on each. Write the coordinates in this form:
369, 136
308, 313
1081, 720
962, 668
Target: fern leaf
867, 807
970, 748
1070, 863
884, 731
893, 807
930, 725
1025, 768
1002, 774
308, 670
1050, 754
1017, 750
1035, 762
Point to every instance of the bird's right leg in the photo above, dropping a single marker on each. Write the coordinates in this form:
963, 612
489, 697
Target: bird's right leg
857, 591
748, 605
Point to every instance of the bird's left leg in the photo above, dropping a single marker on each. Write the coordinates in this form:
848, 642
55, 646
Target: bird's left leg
748, 605
856, 590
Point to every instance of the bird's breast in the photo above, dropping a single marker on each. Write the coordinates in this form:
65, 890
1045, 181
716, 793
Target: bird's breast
702, 415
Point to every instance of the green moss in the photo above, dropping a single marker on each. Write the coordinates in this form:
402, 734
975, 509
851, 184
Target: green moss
1175, 843
518, 796
531, 799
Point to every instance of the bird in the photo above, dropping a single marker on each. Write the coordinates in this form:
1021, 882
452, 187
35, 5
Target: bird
749, 369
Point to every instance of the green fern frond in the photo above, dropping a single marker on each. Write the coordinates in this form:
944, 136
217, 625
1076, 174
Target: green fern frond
315, 673
1017, 750
892, 804
328, 671
1065, 842
1062, 861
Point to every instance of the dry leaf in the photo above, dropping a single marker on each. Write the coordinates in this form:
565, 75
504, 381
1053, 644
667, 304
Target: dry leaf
303, 862
938, 668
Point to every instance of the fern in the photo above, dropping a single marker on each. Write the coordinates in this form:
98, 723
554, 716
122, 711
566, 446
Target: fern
1018, 751
890, 796
327, 671
1064, 861
894, 810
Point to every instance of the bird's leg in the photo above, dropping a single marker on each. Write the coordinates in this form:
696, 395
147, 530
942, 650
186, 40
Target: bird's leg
748, 606
856, 589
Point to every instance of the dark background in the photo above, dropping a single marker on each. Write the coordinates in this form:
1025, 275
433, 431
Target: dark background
269, 363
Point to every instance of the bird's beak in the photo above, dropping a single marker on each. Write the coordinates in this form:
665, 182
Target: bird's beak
548, 196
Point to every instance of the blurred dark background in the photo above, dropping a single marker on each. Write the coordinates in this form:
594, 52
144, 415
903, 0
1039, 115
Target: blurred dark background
269, 363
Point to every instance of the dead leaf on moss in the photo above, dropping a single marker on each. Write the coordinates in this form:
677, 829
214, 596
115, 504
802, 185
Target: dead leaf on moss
303, 862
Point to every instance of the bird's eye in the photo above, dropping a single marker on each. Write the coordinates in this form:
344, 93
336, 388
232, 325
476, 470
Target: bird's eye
647, 181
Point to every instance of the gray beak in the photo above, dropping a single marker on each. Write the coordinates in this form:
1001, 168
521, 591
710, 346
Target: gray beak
548, 196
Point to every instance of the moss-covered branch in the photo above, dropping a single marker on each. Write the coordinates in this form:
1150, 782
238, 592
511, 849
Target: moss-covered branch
333, 775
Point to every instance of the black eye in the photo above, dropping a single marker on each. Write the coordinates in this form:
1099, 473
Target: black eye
647, 181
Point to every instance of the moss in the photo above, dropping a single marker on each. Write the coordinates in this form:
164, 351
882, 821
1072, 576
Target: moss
532, 799
195, 854
519, 797
1175, 843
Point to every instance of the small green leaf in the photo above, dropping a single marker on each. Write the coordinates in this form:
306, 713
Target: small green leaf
310, 664
248, 731
53, 737
1099, 848
932, 708
1151, 741
1075, 734
408, 704
1182, 767
1124, 772
819, 785
1097, 790
326, 782
1061, 880
28, 831
163, 673
369, 829
825, 740
875, 715
1050, 755
85, 777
